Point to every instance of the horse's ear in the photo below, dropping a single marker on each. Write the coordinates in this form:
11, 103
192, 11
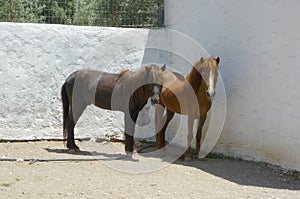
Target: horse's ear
201, 60
163, 68
218, 60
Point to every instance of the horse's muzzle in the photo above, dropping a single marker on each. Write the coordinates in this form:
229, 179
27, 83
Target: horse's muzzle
154, 100
210, 95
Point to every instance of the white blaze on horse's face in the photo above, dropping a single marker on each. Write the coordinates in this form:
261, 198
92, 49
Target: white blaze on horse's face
211, 87
156, 81
156, 89
209, 72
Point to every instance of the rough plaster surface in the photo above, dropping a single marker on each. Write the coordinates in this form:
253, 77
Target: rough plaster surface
258, 42
36, 59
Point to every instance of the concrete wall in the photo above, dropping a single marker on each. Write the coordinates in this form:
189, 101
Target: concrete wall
35, 59
258, 42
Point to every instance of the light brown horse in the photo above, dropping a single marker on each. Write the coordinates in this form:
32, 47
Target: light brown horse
177, 97
127, 91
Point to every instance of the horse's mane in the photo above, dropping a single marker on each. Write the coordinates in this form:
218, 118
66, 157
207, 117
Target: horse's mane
205, 64
133, 79
123, 72
194, 78
196, 74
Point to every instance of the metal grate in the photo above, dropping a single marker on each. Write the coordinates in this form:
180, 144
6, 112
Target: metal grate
119, 13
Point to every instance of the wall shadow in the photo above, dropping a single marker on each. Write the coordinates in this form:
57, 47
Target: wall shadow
245, 173
94, 155
238, 171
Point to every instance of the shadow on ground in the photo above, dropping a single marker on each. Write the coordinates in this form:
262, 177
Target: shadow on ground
237, 171
93, 154
245, 173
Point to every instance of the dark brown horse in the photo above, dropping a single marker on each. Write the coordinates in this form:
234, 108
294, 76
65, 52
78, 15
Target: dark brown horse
201, 81
126, 91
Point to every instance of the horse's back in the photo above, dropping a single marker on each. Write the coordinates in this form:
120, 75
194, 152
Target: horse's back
83, 74
92, 86
106, 87
173, 81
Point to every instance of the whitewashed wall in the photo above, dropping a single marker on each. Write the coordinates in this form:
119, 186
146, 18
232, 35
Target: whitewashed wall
35, 59
258, 42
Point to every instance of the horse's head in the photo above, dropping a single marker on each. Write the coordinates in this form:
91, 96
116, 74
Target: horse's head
155, 78
208, 68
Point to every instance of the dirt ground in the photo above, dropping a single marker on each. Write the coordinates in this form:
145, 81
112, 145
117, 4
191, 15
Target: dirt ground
57, 173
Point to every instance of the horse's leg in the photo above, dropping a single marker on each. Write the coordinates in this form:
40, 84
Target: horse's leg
159, 111
71, 122
66, 106
189, 138
162, 132
130, 120
199, 133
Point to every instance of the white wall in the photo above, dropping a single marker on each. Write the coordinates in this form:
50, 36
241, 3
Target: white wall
35, 59
258, 42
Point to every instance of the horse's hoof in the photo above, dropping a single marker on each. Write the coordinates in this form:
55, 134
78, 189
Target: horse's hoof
188, 155
182, 157
200, 159
74, 150
129, 153
188, 158
127, 156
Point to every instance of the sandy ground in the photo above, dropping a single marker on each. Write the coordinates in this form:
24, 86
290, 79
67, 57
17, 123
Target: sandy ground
73, 176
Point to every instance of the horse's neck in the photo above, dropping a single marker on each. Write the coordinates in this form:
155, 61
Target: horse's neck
139, 97
194, 78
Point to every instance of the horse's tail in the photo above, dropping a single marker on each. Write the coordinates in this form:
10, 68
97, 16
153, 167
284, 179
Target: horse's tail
65, 102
